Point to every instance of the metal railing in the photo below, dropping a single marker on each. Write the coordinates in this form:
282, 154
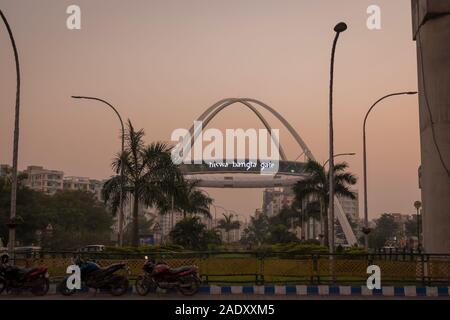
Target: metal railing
275, 267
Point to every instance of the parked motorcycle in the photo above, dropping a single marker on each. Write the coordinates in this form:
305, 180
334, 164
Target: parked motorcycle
93, 276
159, 275
13, 278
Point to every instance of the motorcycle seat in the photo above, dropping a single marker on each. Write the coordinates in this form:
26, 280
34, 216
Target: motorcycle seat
180, 269
112, 266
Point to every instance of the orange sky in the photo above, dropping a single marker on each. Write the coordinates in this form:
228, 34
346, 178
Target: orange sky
163, 62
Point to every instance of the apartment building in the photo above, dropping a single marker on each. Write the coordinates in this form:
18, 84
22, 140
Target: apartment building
167, 221
84, 184
44, 180
275, 199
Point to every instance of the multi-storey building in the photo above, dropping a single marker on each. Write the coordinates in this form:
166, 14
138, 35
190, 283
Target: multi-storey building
44, 180
168, 221
275, 199
84, 184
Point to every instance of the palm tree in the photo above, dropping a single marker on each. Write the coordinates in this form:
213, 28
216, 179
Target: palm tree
316, 187
312, 210
188, 199
149, 176
227, 224
191, 200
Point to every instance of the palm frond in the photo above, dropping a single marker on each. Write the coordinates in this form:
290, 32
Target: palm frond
111, 193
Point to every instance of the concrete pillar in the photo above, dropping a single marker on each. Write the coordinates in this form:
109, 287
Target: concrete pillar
431, 31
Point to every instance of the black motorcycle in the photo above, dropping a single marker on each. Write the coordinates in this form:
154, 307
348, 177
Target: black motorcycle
93, 276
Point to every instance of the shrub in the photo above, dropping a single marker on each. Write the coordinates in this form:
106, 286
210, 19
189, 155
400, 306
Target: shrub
145, 249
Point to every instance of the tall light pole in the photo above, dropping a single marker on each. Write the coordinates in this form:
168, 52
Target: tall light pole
339, 155
121, 216
12, 222
339, 28
418, 206
366, 229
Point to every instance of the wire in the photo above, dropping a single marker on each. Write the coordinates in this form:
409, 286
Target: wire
427, 104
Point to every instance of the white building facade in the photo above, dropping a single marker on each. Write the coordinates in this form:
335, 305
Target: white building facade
44, 180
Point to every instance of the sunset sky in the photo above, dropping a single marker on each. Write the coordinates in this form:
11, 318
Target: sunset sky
162, 63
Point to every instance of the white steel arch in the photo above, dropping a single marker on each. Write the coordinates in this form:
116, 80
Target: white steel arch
216, 108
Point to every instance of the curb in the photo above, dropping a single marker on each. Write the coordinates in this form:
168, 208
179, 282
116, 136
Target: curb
304, 290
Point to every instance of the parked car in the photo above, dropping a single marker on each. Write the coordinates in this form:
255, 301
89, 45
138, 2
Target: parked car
92, 248
26, 252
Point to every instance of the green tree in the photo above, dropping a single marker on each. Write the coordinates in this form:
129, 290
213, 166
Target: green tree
279, 226
150, 177
78, 219
285, 217
191, 233
279, 233
31, 214
257, 231
385, 230
411, 227
227, 224
316, 186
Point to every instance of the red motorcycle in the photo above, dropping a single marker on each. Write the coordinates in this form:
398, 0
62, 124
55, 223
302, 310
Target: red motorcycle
159, 275
13, 278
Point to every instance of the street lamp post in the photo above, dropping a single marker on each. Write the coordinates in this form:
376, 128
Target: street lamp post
418, 206
366, 229
339, 155
12, 223
339, 28
121, 215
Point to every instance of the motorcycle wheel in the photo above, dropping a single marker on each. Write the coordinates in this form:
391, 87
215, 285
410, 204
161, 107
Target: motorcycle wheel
62, 288
193, 288
2, 285
41, 287
142, 286
119, 286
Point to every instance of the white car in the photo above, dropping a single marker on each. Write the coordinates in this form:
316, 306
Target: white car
93, 248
